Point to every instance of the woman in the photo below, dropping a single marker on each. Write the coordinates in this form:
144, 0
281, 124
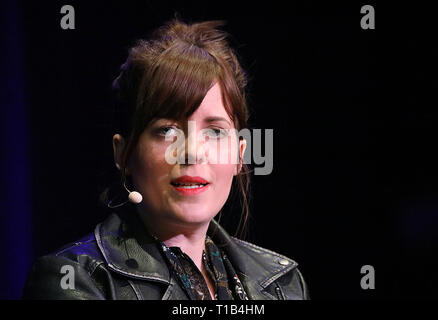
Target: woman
181, 101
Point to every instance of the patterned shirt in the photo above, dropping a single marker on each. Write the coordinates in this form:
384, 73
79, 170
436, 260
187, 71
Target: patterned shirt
226, 281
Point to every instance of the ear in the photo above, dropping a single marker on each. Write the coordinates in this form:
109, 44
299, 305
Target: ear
242, 148
118, 147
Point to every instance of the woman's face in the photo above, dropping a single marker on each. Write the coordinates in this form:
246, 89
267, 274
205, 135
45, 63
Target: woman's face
170, 190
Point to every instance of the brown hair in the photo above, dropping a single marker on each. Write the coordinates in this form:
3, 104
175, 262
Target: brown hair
168, 76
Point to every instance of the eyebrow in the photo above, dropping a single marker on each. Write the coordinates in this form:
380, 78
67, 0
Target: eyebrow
213, 119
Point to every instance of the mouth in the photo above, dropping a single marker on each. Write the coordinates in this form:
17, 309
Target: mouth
188, 185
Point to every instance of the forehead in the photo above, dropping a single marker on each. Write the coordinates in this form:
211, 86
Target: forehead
211, 105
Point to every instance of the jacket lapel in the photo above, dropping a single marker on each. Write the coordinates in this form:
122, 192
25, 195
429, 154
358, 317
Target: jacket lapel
257, 268
128, 250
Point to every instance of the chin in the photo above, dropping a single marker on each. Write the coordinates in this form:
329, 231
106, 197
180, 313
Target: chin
194, 214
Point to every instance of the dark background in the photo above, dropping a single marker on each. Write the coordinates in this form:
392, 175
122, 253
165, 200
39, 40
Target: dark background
353, 112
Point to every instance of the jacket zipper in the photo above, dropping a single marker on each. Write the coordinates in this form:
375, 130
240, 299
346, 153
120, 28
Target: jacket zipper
280, 294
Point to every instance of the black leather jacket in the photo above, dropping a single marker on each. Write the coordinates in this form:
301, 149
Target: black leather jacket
119, 261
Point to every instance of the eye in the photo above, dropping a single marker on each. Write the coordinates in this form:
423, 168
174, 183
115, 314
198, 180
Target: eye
215, 133
167, 131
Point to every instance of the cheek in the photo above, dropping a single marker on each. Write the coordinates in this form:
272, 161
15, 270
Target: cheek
150, 166
224, 174
222, 151
221, 188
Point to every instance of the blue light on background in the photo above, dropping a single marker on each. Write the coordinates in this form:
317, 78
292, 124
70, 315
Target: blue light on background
15, 209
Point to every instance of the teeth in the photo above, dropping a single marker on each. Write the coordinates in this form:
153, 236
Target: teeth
189, 186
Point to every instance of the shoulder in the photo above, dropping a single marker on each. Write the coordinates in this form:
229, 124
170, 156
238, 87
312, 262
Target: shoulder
49, 275
84, 251
280, 270
263, 255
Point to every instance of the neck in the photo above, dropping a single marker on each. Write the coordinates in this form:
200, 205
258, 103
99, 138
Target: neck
189, 237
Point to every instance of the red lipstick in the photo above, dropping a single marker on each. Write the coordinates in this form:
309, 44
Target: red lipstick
188, 185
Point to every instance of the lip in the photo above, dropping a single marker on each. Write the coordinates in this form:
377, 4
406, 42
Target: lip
190, 179
191, 192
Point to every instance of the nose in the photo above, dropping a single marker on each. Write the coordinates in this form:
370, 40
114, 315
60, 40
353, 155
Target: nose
193, 145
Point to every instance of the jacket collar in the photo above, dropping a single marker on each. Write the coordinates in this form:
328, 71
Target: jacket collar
257, 267
129, 250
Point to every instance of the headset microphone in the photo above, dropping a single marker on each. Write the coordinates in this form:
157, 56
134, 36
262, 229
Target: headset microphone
134, 196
